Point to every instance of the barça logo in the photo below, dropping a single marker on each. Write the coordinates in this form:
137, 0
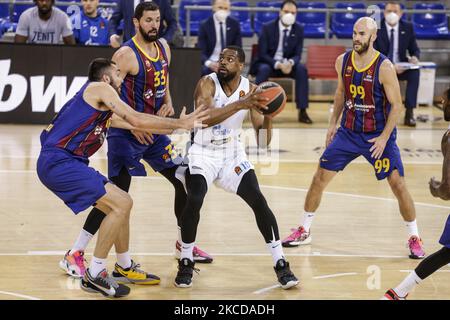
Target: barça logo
241, 93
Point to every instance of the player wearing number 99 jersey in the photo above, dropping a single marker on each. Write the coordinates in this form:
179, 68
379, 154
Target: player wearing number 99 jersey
368, 97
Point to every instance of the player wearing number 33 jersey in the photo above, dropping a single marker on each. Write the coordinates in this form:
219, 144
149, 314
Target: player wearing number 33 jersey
369, 100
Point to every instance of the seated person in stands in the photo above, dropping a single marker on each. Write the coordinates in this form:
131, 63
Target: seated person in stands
394, 38
216, 33
44, 24
280, 48
89, 27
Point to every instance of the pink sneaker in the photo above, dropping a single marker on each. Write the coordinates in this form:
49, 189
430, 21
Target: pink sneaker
392, 295
73, 264
416, 248
297, 237
200, 256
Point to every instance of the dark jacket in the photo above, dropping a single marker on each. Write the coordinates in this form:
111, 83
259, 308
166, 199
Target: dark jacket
207, 36
406, 39
125, 11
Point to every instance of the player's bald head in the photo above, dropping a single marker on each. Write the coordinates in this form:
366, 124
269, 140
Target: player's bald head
366, 24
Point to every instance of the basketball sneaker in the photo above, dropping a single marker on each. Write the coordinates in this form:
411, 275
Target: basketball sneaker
298, 237
392, 295
200, 256
103, 284
284, 274
416, 248
185, 272
134, 275
73, 264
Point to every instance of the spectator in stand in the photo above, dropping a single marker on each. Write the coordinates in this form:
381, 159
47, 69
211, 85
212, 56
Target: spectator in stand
125, 11
216, 33
89, 27
394, 38
280, 48
44, 24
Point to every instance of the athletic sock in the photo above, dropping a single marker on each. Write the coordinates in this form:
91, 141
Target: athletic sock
413, 230
276, 250
82, 241
187, 250
97, 265
308, 218
407, 284
124, 259
179, 234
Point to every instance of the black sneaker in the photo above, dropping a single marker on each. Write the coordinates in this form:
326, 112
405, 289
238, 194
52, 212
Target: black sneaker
103, 284
284, 274
185, 273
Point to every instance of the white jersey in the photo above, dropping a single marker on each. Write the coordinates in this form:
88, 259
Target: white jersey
225, 134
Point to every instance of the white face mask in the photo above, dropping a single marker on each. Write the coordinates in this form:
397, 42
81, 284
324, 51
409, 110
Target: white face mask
288, 19
392, 18
222, 15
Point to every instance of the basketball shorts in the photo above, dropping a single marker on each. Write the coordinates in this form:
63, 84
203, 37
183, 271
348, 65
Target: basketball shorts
445, 238
348, 145
70, 178
128, 152
225, 169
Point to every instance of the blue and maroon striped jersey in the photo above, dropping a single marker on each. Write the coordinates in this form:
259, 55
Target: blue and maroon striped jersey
366, 107
78, 128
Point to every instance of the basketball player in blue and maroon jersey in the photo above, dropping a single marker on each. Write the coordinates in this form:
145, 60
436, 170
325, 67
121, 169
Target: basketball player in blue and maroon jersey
143, 62
441, 190
368, 97
74, 135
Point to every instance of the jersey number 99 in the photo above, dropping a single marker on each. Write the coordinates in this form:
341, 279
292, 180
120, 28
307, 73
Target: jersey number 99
355, 90
382, 164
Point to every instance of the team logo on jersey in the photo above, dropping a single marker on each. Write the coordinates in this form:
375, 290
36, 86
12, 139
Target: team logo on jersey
241, 93
369, 76
238, 170
98, 130
84, 23
148, 94
348, 71
349, 104
148, 65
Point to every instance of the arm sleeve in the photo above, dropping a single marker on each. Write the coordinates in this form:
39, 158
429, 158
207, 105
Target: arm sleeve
263, 47
299, 47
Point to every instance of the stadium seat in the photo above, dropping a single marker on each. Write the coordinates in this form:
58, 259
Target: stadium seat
264, 17
430, 25
197, 16
4, 11
342, 23
243, 17
321, 60
18, 9
314, 23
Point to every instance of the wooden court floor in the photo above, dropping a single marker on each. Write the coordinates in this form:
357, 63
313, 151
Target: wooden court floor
359, 240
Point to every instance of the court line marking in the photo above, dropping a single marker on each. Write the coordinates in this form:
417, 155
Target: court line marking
336, 275
19, 295
263, 290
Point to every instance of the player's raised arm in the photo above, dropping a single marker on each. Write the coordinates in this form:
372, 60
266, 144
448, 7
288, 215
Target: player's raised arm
262, 125
107, 96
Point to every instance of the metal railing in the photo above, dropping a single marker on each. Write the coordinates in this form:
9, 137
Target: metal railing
370, 11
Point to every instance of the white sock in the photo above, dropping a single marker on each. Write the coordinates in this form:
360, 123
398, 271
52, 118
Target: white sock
276, 250
413, 230
408, 284
82, 241
179, 233
187, 250
124, 259
308, 218
97, 265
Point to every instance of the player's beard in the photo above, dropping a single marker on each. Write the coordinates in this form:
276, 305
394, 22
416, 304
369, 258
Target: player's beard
45, 11
147, 37
226, 77
364, 46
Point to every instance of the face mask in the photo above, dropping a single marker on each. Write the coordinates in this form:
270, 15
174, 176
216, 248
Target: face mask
392, 18
222, 15
288, 19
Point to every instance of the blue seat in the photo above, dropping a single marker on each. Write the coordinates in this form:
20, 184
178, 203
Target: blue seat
342, 23
4, 11
430, 25
197, 16
264, 17
314, 23
18, 9
243, 17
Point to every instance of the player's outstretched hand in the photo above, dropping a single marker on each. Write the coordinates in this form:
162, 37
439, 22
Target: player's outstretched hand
330, 135
165, 111
254, 100
379, 143
143, 137
434, 187
195, 119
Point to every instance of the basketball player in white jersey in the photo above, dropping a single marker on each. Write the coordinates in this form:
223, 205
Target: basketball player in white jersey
217, 155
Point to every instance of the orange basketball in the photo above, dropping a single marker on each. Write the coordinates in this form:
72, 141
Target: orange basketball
276, 95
